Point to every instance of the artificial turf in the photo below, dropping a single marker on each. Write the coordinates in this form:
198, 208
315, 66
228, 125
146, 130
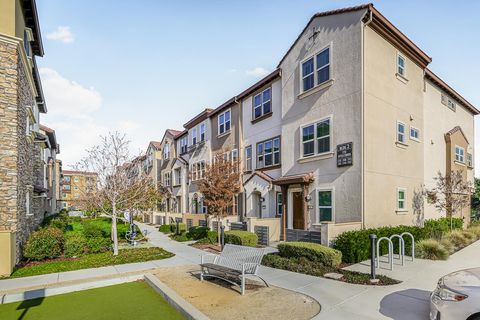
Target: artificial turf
134, 300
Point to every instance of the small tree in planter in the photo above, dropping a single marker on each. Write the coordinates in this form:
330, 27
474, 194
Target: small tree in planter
451, 193
219, 184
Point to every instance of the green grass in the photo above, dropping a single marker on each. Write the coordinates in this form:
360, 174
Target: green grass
134, 300
93, 261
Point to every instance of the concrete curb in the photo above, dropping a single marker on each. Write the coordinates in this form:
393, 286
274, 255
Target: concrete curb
174, 299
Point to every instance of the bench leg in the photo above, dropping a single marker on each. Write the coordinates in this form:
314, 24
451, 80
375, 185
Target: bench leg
201, 274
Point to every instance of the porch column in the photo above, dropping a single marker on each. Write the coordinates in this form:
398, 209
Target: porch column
305, 206
284, 211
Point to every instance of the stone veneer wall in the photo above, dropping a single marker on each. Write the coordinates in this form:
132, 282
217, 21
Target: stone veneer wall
17, 154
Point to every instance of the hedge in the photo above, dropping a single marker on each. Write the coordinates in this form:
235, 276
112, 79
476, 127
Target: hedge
91, 230
98, 244
75, 245
197, 233
438, 228
311, 251
181, 226
242, 238
44, 243
165, 228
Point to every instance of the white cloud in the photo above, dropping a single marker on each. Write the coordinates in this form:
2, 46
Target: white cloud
62, 34
68, 98
127, 125
257, 72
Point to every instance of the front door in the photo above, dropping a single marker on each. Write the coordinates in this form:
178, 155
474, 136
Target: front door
297, 207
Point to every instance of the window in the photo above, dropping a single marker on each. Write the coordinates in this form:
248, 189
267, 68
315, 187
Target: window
248, 158
183, 145
202, 132
316, 70
224, 122
27, 203
26, 42
401, 67
76, 187
166, 151
166, 179
451, 104
325, 205
268, 153
262, 103
414, 134
234, 155
194, 136
279, 204
198, 169
400, 132
459, 154
66, 187
316, 138
75, 179
178, 176
401, 199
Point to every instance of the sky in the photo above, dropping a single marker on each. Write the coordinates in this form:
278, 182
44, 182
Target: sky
144, 66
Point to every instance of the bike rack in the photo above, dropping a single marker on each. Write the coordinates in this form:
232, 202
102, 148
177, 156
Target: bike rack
401, 247
413, 243
390, 252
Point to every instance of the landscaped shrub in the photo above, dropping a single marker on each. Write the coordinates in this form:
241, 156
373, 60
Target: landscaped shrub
438, 227
475, 230
181, 226
91, 230
242, 238
44, 243
312, 251
431, 249
211, 238
197, 233
75, 245
469, 235
457, 238
165, 228
98, 244
180, 237
448, 245
355, 245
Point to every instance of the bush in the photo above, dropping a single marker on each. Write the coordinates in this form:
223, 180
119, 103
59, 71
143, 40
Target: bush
165, 228
44, 243
437, 228
469, 235
312, 251
211, 238
92, 231
447, 245
180, 237
242, 238
75, 245
475, 230
355, 245
98, 244
457, 238
431, 249
197, 233
181, 226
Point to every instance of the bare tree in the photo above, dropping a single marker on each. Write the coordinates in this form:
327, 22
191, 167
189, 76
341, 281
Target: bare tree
121, 183
451, 193
219, 185
418, 206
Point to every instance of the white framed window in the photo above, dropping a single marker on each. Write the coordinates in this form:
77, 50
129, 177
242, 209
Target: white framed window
459, 154
279, 205
197, 170
178, 176
469, 160
183, 145
268, 153
75, 179
202, 132
401, 65
166, 151
401, 132
27, 204
248, 158
414, 134
262, 103
401, 199
451, 104
315, 70
316, 137
194, 136
166, 179
234, 155
325, 205
224, 122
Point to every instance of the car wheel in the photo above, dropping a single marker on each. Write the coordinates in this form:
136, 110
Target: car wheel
474, 317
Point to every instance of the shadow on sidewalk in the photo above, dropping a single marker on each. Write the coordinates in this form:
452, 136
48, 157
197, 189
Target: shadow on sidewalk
410, 304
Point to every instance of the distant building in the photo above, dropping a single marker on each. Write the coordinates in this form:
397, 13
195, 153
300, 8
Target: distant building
74, 186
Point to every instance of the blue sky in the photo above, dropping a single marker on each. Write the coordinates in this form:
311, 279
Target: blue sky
144, 66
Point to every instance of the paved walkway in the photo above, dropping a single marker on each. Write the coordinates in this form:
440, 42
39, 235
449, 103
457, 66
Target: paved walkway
407, 300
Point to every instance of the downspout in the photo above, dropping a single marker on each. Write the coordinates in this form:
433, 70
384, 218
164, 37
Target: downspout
365, 24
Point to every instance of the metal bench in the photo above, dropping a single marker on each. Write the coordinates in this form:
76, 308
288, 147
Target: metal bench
233, 263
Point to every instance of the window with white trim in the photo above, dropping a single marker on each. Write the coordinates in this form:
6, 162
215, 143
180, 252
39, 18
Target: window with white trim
469, 160
268, 153
401, 65
262, 103
401, 199
316, 138
183, 145
27, 204
194, 136
166, 179
234, 155
279, 210
325, 205
316, 70
414, 133
400, 132
197, 170
459, 154
224, 122
178, 176
248, 158
202, 132
166, 151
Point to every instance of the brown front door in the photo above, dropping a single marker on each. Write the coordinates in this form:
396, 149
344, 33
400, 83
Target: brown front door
297, 206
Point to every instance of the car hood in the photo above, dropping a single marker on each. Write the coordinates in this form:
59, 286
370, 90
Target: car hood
467, 278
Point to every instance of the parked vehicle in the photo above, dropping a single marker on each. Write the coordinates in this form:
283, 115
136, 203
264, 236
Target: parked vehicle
457, 296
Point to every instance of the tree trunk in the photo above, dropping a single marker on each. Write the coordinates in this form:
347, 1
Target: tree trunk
114, 229
218, 230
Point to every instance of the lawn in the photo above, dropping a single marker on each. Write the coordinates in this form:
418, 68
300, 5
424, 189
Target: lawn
91, 261
134, 300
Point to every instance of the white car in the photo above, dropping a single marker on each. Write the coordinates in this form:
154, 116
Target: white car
457, 296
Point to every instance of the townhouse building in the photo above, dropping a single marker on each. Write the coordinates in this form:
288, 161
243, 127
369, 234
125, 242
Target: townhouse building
151, 162
50, 168
22, 189
75, 185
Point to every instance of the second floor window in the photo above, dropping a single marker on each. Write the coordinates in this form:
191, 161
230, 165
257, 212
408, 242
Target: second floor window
197, 170
194, 136
316, 70
316, 138
224, 122
183, 145
414, 133
262, 103
401, 67
268, 153
166, 179
178, 176
202, 132
248, 158
469, 160
400, 132
166, 151
459, 154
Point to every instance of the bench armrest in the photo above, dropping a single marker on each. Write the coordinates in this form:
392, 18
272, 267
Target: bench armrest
209, 255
